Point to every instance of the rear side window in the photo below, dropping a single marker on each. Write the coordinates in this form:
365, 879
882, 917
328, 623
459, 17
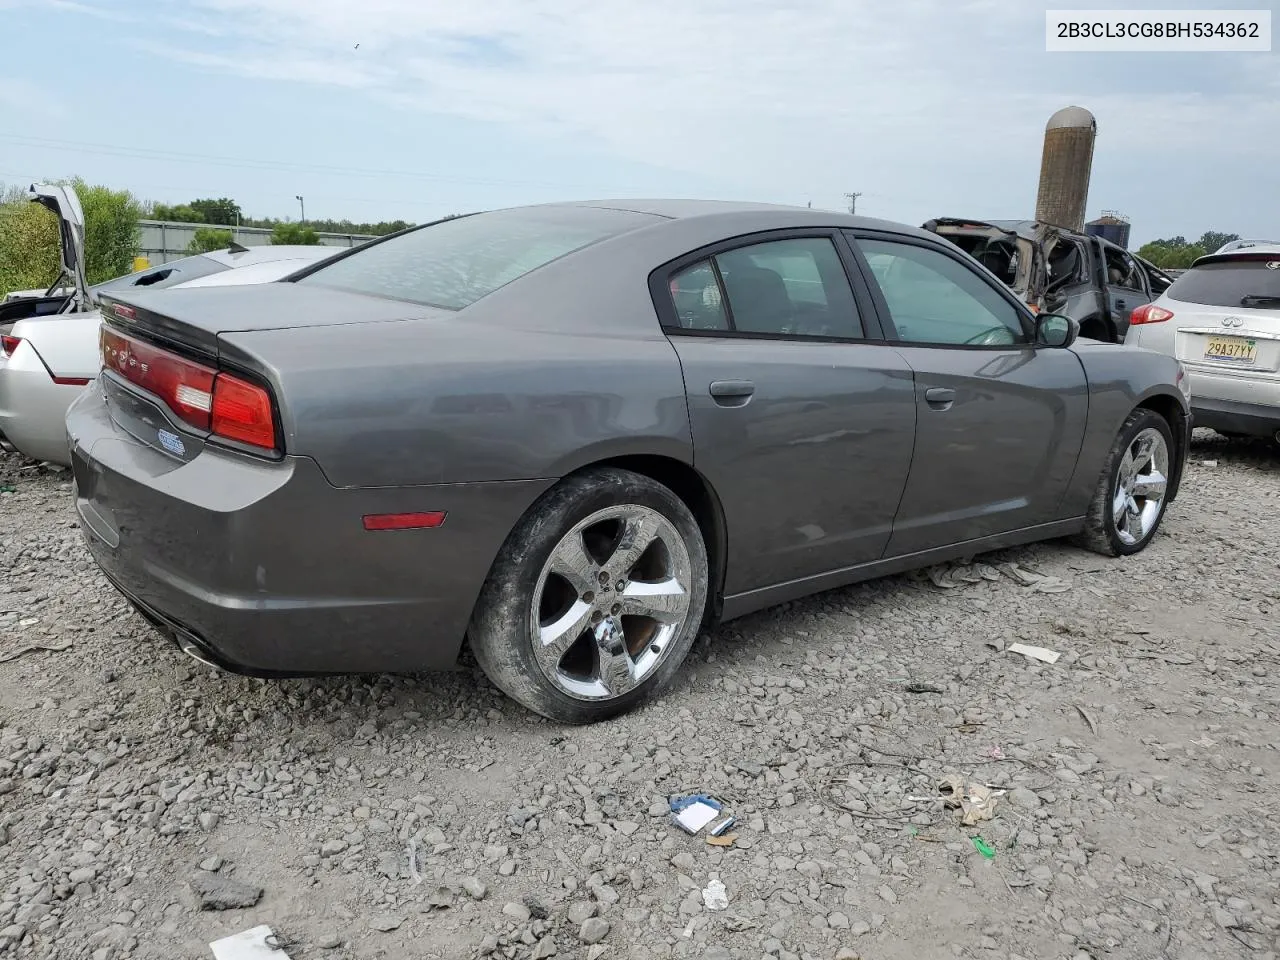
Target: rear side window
695, 291
456, 262
1243, 282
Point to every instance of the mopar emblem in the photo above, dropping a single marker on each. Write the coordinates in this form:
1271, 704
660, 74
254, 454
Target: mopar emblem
1231, 321
1273, 264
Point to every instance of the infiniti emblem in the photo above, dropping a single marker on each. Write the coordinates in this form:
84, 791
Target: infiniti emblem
1231, 321
1273, 264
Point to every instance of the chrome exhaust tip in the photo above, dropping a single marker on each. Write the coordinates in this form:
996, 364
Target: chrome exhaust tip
194, 652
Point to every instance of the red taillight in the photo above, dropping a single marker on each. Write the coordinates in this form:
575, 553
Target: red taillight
184, 386
198, 395
403, 521
1149, 313
9, 345
242, 411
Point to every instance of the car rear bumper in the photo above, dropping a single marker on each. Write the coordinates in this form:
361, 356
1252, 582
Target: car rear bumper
265, 568
33, 407
1236, 416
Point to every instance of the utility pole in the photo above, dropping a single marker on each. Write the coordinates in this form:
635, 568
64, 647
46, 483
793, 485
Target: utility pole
853, 201
302, 208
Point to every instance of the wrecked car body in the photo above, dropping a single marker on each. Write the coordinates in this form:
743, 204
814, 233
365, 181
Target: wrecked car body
1094, 281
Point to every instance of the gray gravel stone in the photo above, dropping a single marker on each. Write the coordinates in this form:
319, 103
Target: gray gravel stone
218, 892
593, 930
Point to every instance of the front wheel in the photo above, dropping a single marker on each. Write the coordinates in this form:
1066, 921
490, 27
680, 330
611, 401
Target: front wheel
1131, 496
595, 599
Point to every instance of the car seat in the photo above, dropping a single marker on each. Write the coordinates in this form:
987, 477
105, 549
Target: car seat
759, 299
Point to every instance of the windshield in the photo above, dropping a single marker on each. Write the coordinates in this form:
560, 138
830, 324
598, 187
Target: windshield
164, 275
1240, 282
454, 263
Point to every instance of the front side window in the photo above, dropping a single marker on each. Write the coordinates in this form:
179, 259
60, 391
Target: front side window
792, 288
934, 299
454, 263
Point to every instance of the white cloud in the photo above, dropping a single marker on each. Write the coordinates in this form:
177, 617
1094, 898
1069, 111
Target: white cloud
926, 105
825, 90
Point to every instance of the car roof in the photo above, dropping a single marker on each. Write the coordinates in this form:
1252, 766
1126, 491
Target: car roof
1239, 253
266, 252
742, 213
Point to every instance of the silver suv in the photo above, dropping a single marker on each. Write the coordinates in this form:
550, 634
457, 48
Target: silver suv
1222, 320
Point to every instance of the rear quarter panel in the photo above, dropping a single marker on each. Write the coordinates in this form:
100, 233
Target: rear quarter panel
1120, 378
66, 342
460, 400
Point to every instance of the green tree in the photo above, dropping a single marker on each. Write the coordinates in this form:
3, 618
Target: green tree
1212, 240
290, 233
223, 211
1171, 254
182, 213
111, 236
209, 238
30, 249
29, 243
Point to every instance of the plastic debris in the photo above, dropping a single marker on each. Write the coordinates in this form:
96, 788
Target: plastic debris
258, 943
984, 848
693, 812
922, 688
976, 801
1035, 653
723, 840
715, 896
723, 826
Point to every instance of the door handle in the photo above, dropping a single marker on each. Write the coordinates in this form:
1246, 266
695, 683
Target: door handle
732, 393
940, 398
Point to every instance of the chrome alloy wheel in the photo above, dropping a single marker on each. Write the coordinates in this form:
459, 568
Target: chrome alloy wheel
1140, 488
610, 601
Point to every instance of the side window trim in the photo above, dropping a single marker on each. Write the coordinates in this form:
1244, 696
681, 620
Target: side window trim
660, 289
853, 235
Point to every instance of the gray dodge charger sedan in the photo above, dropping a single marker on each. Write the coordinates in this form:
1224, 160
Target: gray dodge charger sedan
576, 433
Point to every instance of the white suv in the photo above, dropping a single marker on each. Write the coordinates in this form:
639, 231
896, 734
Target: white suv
1222, 320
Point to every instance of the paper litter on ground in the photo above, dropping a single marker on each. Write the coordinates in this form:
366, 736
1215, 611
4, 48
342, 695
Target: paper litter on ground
696, 816
1035, 653
253, 944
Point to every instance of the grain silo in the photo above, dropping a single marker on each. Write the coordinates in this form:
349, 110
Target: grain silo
1065, 166
1110, 226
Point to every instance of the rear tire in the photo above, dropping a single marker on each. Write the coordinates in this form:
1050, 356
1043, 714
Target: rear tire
595, 598
1132, 493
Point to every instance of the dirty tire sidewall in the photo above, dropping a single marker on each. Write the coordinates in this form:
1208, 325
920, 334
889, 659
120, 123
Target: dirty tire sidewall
1100, 534
500, 627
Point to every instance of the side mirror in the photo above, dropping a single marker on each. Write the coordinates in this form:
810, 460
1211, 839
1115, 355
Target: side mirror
1055, 330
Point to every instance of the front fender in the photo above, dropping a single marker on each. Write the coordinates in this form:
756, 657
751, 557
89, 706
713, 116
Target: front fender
1121, 379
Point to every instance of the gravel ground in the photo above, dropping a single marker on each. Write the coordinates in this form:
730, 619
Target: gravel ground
1140, 819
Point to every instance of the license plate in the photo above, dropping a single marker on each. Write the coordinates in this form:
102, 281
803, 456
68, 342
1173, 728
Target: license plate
1233, 349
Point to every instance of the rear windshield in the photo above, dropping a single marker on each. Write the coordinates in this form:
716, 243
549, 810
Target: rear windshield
456, 262
1251, 282
165, 275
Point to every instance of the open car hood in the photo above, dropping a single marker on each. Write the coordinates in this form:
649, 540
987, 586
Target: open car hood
66, 206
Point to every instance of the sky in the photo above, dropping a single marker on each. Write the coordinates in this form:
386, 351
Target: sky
414, 109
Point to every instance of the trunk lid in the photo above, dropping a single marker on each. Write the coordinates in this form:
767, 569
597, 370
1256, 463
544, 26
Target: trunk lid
193, 318
65, 205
